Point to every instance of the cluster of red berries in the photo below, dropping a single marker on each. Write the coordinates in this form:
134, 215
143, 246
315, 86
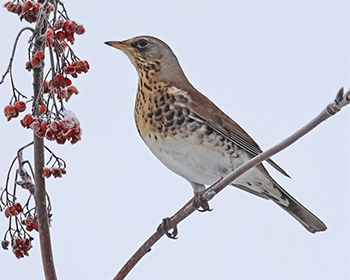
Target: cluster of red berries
37, 58
81, 66
28, 10
66, 129
13, 210
55, 172
12, 111
31, 223
62, 87
21, 247
68, 29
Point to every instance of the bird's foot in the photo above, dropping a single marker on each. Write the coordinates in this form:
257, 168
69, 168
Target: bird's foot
165, 227
201, 204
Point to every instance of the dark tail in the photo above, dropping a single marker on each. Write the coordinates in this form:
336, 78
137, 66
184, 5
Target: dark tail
300, 213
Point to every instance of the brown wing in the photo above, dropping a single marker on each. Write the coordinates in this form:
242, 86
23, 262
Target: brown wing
209, 113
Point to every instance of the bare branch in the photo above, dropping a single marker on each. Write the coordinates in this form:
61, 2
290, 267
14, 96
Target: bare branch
340, 101
13, 52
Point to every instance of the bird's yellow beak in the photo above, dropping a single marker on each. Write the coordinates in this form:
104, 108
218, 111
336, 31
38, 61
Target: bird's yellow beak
118, 45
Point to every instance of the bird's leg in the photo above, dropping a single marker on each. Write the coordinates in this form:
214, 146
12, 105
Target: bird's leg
200, 204
165, 227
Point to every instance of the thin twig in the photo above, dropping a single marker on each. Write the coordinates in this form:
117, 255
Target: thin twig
13, 52
209, 194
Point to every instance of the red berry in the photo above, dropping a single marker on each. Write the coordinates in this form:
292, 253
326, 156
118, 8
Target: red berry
9, 6
49, 32
70, 38
80, 30
7, 213
20, 106
35, 62
18, 9
60, 35
18, 207
56, 172
37, 7
28, 6
10, 112
46, 88
49, 41
49, 8
63, 171
43, 126
35, 226
42, 109
40, 55
70, 69
68, 82
55, 126
27, 120
72, 89
35, 126
46, 172
69, 27
29, 228
49, 135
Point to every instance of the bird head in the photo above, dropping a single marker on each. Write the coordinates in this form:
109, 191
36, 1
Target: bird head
145, 51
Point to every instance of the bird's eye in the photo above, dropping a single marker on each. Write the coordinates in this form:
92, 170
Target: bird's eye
142, 43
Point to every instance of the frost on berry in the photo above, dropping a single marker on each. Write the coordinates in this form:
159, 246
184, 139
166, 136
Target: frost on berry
10, 112
49, 32
27, 120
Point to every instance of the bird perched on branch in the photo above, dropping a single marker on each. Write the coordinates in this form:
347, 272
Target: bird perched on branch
191, 136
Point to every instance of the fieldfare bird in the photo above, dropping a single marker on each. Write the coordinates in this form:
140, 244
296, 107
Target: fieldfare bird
191, 136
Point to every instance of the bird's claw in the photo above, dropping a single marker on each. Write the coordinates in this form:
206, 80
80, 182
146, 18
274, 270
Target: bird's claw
165, 227
200, 204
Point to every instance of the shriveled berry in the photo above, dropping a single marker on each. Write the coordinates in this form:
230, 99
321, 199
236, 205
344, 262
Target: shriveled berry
29, 66
46, 172
18, 207
5, 244
56, 172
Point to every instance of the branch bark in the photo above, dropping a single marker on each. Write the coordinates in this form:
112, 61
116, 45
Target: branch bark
39, 163
340, 101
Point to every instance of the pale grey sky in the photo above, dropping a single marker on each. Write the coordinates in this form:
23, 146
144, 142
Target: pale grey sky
272, 66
